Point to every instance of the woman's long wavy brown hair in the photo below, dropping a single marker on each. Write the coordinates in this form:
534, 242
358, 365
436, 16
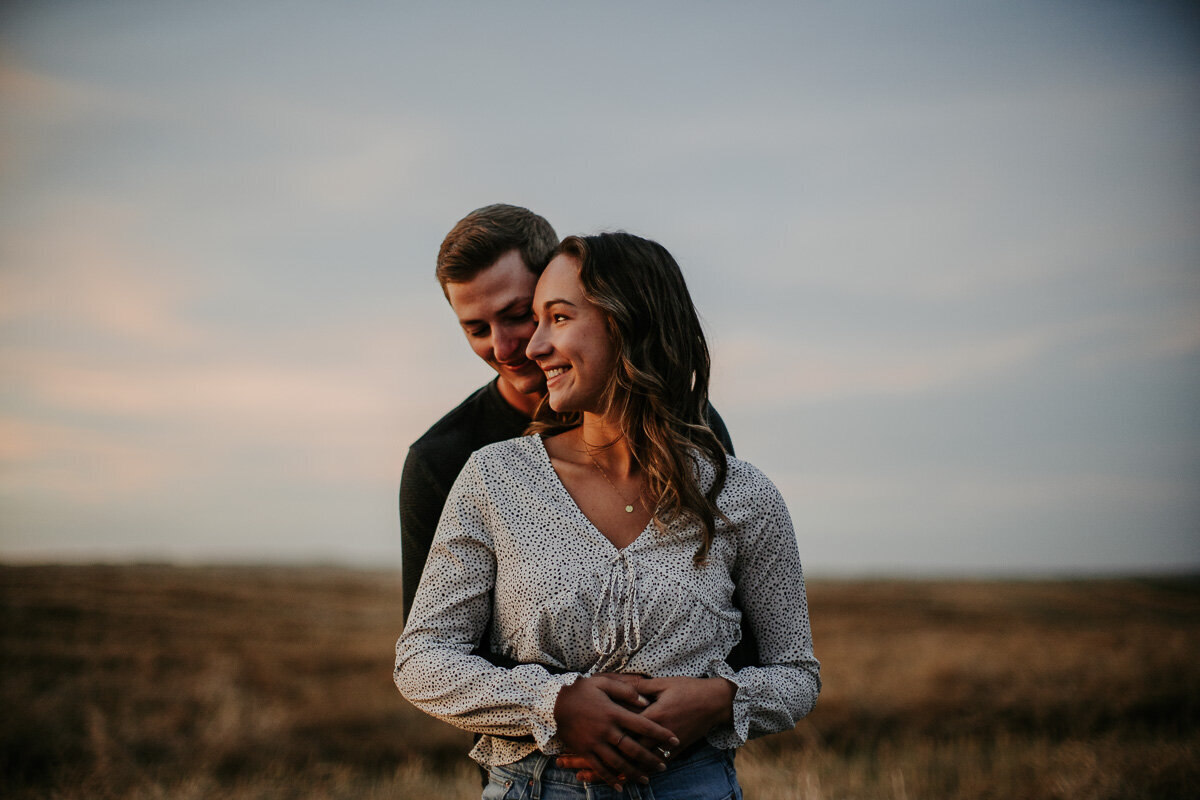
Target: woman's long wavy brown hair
658, 393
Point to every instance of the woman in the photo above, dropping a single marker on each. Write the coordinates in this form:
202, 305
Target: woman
606, 548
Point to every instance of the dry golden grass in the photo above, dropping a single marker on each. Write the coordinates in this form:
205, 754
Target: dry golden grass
239, 683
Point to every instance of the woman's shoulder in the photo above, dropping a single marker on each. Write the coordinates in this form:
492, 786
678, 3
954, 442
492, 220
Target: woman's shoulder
494, 469
742, 479
521, 454
736, 470
507, 448
746, 487
743, 472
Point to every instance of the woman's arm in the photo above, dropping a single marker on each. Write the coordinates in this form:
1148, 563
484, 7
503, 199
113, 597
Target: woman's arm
435, 670
769, 583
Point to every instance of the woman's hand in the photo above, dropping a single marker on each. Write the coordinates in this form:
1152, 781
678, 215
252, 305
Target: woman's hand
690, 707
595, 724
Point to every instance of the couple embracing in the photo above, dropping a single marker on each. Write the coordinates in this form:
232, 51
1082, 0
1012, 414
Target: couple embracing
606, 595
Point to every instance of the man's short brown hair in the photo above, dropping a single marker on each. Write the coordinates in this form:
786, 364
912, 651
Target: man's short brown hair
487, 233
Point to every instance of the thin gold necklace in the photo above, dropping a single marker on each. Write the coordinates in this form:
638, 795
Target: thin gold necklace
596, 464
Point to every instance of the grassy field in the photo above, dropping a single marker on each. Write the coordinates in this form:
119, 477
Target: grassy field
240, 683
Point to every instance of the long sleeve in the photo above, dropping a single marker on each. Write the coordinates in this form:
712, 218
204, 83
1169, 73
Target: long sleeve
770, 586
435, 670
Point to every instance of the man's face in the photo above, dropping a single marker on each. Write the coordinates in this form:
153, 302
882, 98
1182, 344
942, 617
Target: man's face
493, 309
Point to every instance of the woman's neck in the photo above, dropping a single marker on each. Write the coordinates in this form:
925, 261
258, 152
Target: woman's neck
602, 440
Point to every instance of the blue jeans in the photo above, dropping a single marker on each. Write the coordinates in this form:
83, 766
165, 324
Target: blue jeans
705, 773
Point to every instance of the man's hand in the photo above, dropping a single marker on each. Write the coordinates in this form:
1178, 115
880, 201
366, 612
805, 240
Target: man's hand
596, 725
689, 706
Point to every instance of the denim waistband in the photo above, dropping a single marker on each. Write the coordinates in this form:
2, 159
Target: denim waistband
702, 771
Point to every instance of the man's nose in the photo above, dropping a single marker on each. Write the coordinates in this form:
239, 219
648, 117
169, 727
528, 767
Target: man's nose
506, 345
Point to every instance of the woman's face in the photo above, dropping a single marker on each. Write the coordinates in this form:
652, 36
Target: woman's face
571, 342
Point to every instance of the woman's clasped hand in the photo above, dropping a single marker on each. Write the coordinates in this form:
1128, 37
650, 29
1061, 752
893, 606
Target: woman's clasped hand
600, 725
686, 707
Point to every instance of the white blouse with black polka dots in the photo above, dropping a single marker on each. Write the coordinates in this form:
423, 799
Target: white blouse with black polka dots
513, 546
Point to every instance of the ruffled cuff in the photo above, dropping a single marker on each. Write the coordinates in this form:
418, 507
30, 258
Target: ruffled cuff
729, 737
541, 719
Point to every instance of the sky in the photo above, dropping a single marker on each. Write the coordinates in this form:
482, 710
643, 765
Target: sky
946, 253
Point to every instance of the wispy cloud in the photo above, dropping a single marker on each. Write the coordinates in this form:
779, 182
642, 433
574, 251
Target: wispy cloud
758, 370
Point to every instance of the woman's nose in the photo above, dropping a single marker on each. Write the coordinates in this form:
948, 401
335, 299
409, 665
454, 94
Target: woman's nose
538, 346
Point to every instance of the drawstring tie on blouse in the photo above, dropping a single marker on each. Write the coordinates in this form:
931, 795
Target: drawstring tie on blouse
618, 614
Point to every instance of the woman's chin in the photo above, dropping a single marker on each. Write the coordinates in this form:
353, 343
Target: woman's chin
565, 404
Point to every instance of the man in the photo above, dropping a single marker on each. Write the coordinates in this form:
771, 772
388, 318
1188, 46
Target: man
488, 266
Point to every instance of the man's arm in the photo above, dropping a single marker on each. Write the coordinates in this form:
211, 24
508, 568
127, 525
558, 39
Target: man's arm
421, 501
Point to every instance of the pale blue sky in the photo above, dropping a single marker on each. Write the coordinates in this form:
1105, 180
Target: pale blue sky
947, 254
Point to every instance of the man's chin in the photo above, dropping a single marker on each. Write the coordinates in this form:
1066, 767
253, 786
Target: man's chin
525, 383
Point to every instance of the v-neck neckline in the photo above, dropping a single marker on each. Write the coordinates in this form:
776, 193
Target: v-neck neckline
548, 462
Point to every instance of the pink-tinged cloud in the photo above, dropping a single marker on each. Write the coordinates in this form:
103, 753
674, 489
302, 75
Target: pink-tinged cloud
74, 463
86, 272
28, 92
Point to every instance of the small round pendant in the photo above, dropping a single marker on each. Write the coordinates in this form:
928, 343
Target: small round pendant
628, 509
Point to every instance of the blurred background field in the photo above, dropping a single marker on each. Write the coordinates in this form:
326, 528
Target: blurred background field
171, 682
